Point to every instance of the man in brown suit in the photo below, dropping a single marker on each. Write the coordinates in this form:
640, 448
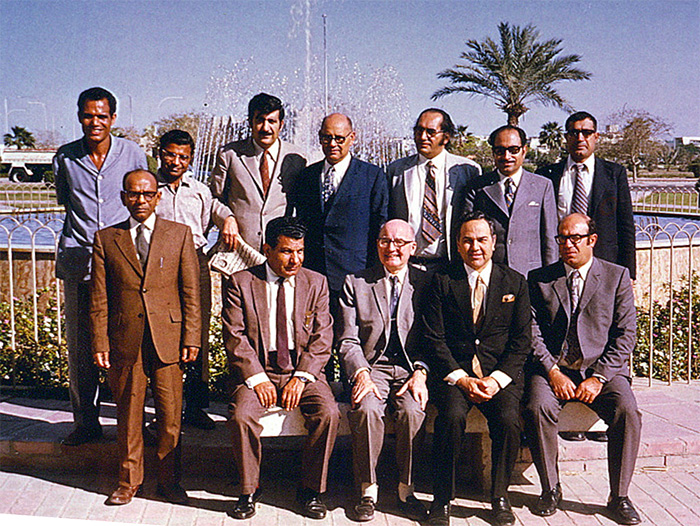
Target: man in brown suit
280, 367
145, 320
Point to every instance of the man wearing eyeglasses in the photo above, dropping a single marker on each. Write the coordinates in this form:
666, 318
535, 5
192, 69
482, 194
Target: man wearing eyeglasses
428, 189
583, 332
521, 203
379, 352
589, 185
145, 323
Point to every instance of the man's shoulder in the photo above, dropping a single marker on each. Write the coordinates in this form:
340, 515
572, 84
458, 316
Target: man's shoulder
609, 166
314, 168
552, 170
536, 178
239, 147
507, 273
112, 230
368, 275
126, 145
71, 149
171, 226
608, 268
402, 164
547, 273
288, 148
315, 279
452, 159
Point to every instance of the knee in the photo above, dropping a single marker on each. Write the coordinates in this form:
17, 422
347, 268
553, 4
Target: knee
410, 417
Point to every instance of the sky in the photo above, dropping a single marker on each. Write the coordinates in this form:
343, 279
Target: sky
158, 57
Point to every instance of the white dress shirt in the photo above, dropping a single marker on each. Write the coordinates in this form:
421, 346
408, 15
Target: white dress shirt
273, 153
149, 223
515, 178
568, 183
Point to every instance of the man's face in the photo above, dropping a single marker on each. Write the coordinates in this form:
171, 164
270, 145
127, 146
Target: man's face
428, 134
577, 247
507, 159
96, 120
395, 245
581, 139
140, 195
174, 160
476, 243
265, 128
336, 137
286, 258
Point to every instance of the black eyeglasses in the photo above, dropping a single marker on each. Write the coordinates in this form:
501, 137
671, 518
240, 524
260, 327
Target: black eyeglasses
430, 132
575, 133
327, 139
170, 156
386, 241
501, 150
134, 196
574, 238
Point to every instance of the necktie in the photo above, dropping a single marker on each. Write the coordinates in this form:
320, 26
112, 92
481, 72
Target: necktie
509, 192
572, 355
328, 187
284, 360
579, 203
477, 314
431, 229
394, 295
574, 285
265, 172
142, 244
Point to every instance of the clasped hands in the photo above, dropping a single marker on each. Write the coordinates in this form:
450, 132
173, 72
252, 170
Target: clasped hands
291, 393
415, 385
187, 354
565, 389
478, 389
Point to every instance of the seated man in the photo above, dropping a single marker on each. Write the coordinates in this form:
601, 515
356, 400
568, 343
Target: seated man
584, 329
378, 351
278, 334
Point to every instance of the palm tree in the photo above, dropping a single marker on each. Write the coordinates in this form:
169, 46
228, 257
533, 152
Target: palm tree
514, 72
20, 138
552, 136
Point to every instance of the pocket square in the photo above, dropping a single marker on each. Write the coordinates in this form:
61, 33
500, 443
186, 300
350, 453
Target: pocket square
508, 298
533, 203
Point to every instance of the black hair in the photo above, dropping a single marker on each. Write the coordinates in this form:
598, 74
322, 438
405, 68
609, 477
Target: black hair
263, 104
97, 93
179, 137
288, 226
521, 132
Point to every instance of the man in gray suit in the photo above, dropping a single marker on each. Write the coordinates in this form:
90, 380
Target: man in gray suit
253, 176
428, 189
584, 329
521, 203
378, 351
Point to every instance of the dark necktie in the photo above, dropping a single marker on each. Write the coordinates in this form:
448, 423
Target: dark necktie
431, 229
394, 295
142, 244
573, 346
284, 360
579, 203
265, 172
509, 192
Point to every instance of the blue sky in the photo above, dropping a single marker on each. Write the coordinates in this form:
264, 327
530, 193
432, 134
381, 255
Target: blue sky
645, 54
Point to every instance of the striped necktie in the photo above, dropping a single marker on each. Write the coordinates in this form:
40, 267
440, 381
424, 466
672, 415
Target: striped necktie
579, 203
431, 228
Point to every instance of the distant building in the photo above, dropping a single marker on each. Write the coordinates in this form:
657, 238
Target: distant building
685, 141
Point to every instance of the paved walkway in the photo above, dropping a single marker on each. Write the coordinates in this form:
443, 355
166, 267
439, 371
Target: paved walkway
42, 481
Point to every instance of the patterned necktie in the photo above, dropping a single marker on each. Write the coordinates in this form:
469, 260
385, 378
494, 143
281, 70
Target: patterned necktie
394, 295
572, 353
574, 285
265, 172
328, 188
579, 203
509, 192
432, 228
142, 244
284, 359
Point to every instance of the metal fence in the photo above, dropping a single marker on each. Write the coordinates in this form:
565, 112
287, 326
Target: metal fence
27, 197
680, 198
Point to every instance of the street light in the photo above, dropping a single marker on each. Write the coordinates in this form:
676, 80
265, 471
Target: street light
167, 99
7, 116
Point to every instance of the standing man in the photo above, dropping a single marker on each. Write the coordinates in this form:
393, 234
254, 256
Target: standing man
521, 203
343, 201
278, 336
584, 330
595, 187
188, 201
252, 177
428, 189
89, 175
145, 320
477, 334
379, 352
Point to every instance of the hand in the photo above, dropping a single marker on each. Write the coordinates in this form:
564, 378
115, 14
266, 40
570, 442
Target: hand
563, 387
416, 385
362, 387
189, 354
490, 385
267, 394
474, 388
291, 394
588, 390
102, 359
229, 233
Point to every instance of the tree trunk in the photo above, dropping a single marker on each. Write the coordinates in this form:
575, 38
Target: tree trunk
513, 119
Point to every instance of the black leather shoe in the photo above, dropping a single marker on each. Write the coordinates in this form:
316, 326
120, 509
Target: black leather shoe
502, 512
311, 504
413, 508
198, 418
596, 436
82, 435
439, 514
173, 493
364, 509
623, 511
573, 436
548, 502
244, 507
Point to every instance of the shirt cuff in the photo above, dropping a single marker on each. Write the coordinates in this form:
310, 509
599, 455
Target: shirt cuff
502, 379
600, 377
421, 365
455, 376
303, 374
256, 379
354, 376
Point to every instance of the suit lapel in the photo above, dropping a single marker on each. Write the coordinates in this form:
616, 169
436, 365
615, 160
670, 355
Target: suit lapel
159, 240
259, 291
122, 238
380, 297
494, 193
249, 160
599, 187
524, 191
411, 183
462, 294
301, 294
591, 285
561, 289
494, 296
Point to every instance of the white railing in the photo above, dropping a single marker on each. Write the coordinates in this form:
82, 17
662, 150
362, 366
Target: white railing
679, 199
26, 197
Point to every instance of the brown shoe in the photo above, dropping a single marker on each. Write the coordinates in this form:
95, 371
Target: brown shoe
122, 495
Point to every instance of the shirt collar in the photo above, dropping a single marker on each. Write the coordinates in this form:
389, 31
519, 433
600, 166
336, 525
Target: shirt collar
485, 273
271, 277
583, 271
340, 167
589, 163
185, 180
438, 161
515, 177
272, 150
149, 223
401, 274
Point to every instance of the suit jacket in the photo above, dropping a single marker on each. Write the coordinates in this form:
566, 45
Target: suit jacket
236, 182
524, 236
246, 328
610, 206
502, 339
365, 324
341, 238
124, 297
606, 320
460, 171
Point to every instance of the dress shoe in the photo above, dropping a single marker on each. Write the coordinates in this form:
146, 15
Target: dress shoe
198, 418
413, 509
173, 493
548, 502
596, 436
244, 507
573, 436
502, 512
364, 509
439, 514
83, 435
122, 495
623, 511
311, 504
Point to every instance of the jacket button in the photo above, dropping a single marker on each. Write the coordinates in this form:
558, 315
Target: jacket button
144, 290
476, 342
139, 315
